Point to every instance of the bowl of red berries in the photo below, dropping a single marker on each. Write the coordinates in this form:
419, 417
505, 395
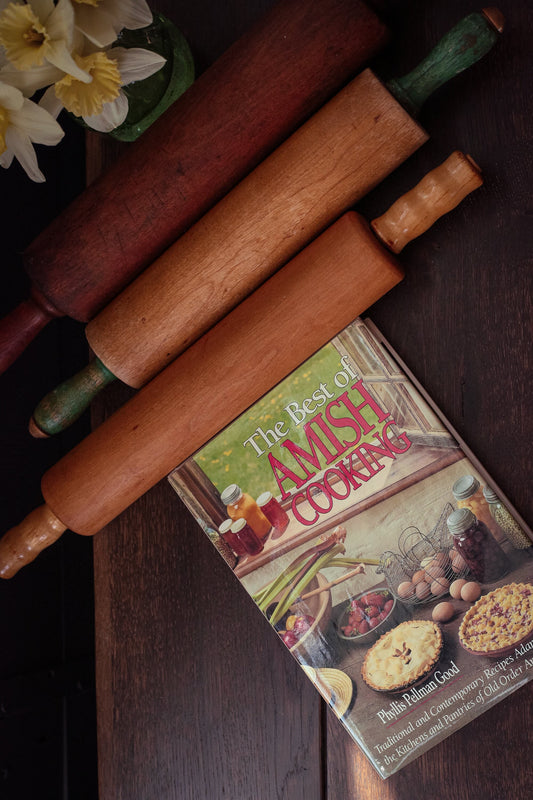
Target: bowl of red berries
366, 616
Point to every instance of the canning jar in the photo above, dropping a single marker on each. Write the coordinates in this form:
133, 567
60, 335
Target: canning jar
271, 508
468, 493
503, 517
231, 538
240, 504
472, 539
247, 536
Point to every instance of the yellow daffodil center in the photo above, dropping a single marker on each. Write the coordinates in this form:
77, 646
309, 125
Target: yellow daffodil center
23, 36
87, 99
4, 121
88, 2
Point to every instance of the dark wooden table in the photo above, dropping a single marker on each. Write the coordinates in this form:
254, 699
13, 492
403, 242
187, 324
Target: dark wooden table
196, 695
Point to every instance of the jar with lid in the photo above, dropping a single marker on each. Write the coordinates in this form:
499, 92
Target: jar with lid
231, 539
468, 493
247, 536
485, 559
240, 504
223, 547
503, 517
271, 508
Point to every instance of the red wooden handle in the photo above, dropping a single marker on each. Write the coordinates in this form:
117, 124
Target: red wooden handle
22, 325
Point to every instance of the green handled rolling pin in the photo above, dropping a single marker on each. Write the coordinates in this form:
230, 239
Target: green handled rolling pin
170, 305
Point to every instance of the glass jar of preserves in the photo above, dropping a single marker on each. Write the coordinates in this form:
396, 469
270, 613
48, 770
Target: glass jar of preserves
231, 539
472, 539
271, 508
240, 504
247, 536
503, 517
468, 493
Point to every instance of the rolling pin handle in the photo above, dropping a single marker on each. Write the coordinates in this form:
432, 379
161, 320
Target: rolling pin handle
67, 402
22, 324
439, 191
23, 543
460, 48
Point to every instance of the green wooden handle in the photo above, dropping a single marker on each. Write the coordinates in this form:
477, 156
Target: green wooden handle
461, 47
62, 406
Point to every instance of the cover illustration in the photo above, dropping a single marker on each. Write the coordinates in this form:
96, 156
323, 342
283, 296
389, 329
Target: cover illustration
365, 530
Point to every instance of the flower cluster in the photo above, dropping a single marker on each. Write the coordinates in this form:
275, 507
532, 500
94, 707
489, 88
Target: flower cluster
65, 47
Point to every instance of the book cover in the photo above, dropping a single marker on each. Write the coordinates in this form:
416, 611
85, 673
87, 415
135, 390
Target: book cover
390, 564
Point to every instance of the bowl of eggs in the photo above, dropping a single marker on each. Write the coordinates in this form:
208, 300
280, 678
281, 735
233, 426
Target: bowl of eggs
423, 578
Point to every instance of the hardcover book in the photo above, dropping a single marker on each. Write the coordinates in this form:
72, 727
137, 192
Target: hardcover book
390, 564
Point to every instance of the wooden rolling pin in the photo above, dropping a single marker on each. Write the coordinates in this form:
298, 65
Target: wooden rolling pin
344, 150
237, 112
305, 304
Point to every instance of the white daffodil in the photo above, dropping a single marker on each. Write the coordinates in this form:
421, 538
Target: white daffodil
101, 20
101, 103
38, 34
22, 123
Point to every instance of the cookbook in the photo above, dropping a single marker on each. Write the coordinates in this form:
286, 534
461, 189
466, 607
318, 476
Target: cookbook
365, 530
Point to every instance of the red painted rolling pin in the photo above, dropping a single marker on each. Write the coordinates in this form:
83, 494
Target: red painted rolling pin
345, 149
237, 112
306, 303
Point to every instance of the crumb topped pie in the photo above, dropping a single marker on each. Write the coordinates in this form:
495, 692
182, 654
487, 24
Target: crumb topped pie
403, 655
500, 619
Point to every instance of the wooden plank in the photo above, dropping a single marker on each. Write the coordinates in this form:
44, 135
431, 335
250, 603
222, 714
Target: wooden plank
196, 696
192, 700
462, 321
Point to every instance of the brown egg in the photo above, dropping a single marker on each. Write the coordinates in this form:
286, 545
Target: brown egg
443, 612
441, 559
455, 588
434, 571
440, 586
458, 563
418, 576
422, 590
470, 592
426, 562
406, 589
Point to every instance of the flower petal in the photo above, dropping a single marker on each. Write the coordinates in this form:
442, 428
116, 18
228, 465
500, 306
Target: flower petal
60, 23
58, 55
11, 98
6, 159
20, 145
130, 13
37, 123
51, 102
30, 80
96, 25
135, 63
43, 8
112, 116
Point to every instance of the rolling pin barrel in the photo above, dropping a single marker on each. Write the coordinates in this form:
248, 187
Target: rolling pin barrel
234, 114
329, 163
352, 143
161, 425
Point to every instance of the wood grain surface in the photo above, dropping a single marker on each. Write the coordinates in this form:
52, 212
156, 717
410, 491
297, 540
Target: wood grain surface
169, 177
344, 150
196, 695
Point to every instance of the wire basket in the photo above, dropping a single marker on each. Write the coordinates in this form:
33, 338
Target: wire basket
426, 564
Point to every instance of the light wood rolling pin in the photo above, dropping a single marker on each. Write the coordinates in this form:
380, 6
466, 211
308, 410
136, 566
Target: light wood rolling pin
330, 162
234, 114
276, 328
